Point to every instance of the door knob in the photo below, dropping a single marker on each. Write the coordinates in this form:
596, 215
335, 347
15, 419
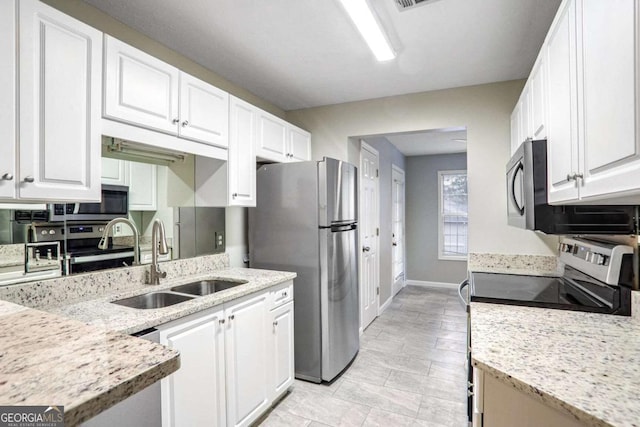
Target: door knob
29, 179
7, 177
366, 249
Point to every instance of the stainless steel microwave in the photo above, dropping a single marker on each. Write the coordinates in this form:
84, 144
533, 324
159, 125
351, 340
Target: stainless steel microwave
114, 203
527, 205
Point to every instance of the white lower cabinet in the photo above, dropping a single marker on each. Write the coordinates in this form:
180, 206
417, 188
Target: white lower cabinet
235, 360
195, 394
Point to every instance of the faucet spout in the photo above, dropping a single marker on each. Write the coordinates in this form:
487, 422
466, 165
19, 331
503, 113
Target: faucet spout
159, 246
104, 240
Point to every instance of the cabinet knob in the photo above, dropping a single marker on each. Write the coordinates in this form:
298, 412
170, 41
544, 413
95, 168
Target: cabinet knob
7, 177
285, 294
366, 249
275, 323
233, 316
29, 179
175, 121
221, 321
578, 175
234, 195
185, 123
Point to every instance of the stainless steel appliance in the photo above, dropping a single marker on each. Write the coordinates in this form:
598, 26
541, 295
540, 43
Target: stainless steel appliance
114, 203
198, 231
598, 278
81, 252
306, 221
527, 205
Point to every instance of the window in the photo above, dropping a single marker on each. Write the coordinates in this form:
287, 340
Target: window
452, 215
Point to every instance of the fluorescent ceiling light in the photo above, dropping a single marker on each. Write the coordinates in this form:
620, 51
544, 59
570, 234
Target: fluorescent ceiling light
366, 22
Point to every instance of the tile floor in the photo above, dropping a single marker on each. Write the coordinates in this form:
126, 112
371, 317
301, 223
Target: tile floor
410, 371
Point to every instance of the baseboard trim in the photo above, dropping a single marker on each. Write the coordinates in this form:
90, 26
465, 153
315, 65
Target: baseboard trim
427, 284
384, 306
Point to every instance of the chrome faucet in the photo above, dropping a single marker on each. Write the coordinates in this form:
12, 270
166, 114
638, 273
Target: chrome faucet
158, 247
104, 240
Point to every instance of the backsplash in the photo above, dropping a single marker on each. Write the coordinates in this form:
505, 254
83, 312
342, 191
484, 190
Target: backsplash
68, 289
540, 265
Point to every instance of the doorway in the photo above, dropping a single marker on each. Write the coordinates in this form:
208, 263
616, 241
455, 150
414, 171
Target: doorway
369, 232
398, 229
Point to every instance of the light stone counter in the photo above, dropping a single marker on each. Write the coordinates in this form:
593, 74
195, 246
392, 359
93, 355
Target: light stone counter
535, 265
48, 359
101, 312
585, 364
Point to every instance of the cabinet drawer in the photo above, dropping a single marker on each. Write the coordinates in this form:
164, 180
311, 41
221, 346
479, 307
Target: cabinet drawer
281, 295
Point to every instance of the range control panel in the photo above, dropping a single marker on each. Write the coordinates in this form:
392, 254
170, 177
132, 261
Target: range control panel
599, 259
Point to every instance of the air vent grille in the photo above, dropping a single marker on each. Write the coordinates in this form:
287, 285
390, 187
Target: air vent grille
407, 4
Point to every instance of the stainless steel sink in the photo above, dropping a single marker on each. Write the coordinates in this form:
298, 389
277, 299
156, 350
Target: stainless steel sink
153, 300
206, 287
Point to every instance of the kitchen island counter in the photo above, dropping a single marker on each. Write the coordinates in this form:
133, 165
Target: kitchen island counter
47, 359
584, 364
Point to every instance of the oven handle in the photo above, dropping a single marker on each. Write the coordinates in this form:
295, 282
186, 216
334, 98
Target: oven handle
519, 168
463, 300
105, 257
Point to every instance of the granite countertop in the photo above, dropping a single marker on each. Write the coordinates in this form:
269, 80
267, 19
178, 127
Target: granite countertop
584, 364
48, 359
101, 312
11, 262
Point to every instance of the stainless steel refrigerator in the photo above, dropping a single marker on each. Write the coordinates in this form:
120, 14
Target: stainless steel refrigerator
306, 221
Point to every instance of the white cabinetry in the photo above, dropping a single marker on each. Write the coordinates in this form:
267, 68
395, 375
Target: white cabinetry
57, 77
144, 91
242, 157
235, 360
246, 371
195, 394
583, 90
279, 141
141, 178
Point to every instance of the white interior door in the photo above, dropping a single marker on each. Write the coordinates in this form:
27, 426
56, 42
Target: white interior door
369, 230
397, 224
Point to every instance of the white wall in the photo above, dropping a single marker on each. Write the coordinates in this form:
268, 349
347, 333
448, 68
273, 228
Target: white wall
484, 110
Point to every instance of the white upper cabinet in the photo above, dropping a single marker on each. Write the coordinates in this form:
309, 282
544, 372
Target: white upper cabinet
144, 91
8, 104
138, 88
242, 157
114, 172
538, 100
525, 107
60, 69
272, 140
592, 75
299, 144
143, 189
516, 125
279, 141
562, 100
608, 113
204, 111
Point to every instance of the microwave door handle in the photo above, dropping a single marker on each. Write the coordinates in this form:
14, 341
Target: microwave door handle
519, 168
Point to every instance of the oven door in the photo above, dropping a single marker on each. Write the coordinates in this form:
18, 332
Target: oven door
86, 263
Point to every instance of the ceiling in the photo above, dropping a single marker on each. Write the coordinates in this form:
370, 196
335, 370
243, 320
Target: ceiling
306, 53
430, 142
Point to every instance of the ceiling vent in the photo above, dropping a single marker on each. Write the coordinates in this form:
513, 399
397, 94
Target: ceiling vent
408, 4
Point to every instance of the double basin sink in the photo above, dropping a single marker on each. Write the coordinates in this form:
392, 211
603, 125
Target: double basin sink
178, 294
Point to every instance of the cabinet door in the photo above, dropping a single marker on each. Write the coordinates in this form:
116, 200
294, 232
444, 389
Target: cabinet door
8, 99
204, 112
139, 89
242, 158
60, 96
143, 189
114, 172
272, 138
282, 368
515, 128
537, 88
299, 144
194, 394
610, 151
562, 128
246, 349
527, 122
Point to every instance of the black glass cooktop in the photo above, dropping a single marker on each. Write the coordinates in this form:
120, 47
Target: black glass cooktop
573, 291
